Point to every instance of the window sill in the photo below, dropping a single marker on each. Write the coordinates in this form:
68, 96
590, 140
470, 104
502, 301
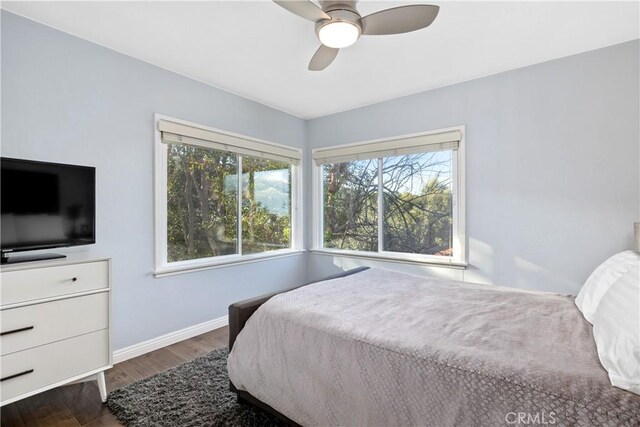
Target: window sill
184, 267
404, 258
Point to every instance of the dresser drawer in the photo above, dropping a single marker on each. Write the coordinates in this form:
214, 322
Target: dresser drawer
37, 283
52, 363
38, 324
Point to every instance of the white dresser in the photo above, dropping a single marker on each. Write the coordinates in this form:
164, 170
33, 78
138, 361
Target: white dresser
54, 320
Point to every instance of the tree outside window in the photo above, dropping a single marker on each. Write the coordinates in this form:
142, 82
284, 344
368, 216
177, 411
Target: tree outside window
203, 215
417, 204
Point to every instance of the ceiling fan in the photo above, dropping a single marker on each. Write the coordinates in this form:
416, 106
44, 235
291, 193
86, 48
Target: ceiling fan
338, 24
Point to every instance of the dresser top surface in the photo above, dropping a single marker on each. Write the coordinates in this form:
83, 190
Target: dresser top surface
69, 260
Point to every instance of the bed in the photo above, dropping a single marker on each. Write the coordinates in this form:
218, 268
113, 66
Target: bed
378, 347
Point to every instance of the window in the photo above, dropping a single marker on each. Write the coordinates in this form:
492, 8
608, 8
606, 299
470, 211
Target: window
400, 199
222, 198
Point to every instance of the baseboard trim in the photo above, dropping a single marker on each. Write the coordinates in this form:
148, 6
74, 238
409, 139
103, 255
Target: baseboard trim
147, 346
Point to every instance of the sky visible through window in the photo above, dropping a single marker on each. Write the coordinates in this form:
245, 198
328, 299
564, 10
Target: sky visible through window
436, 165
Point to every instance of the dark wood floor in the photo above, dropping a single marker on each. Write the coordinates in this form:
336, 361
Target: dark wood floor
80, 405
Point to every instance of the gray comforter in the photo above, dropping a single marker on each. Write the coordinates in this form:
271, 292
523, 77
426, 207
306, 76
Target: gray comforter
384, 348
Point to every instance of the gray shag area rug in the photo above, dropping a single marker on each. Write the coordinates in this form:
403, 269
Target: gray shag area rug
195, 393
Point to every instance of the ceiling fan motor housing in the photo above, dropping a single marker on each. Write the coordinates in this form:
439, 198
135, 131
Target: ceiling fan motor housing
340, 11
330, 5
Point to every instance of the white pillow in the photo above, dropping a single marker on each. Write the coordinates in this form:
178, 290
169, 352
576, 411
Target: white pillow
601, 280
616, 330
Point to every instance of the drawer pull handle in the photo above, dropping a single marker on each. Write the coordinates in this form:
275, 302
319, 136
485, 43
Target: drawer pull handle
75, 279
19, 374
28, 328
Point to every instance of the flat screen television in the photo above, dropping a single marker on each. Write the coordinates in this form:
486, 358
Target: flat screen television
45, 205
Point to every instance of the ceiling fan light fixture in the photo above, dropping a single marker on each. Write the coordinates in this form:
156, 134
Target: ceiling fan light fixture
338, 23
338, 34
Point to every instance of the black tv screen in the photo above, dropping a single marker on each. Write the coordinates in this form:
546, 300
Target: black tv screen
46, 205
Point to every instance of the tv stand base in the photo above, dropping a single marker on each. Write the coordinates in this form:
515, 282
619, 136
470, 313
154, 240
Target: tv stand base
28, 258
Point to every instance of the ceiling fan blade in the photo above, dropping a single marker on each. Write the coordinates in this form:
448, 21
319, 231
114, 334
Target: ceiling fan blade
399, 19
303, 8
322, 58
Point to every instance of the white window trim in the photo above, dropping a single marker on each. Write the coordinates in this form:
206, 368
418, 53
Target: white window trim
165, 268
398, 257
459, 260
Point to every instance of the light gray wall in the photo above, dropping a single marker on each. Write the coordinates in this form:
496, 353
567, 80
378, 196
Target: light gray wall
552, 155
68, 100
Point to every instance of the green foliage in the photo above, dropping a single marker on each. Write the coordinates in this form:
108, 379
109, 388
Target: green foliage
419, 223
202, 204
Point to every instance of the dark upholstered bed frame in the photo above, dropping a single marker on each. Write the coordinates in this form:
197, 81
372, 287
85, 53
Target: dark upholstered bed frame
240, 312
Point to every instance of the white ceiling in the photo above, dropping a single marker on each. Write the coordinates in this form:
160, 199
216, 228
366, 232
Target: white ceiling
260, 51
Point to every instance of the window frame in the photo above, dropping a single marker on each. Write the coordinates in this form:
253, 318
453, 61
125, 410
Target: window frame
459, 260
165, 268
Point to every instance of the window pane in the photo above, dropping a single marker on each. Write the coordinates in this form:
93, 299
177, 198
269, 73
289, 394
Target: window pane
266, 205
201, 203
417, 202
350, 193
